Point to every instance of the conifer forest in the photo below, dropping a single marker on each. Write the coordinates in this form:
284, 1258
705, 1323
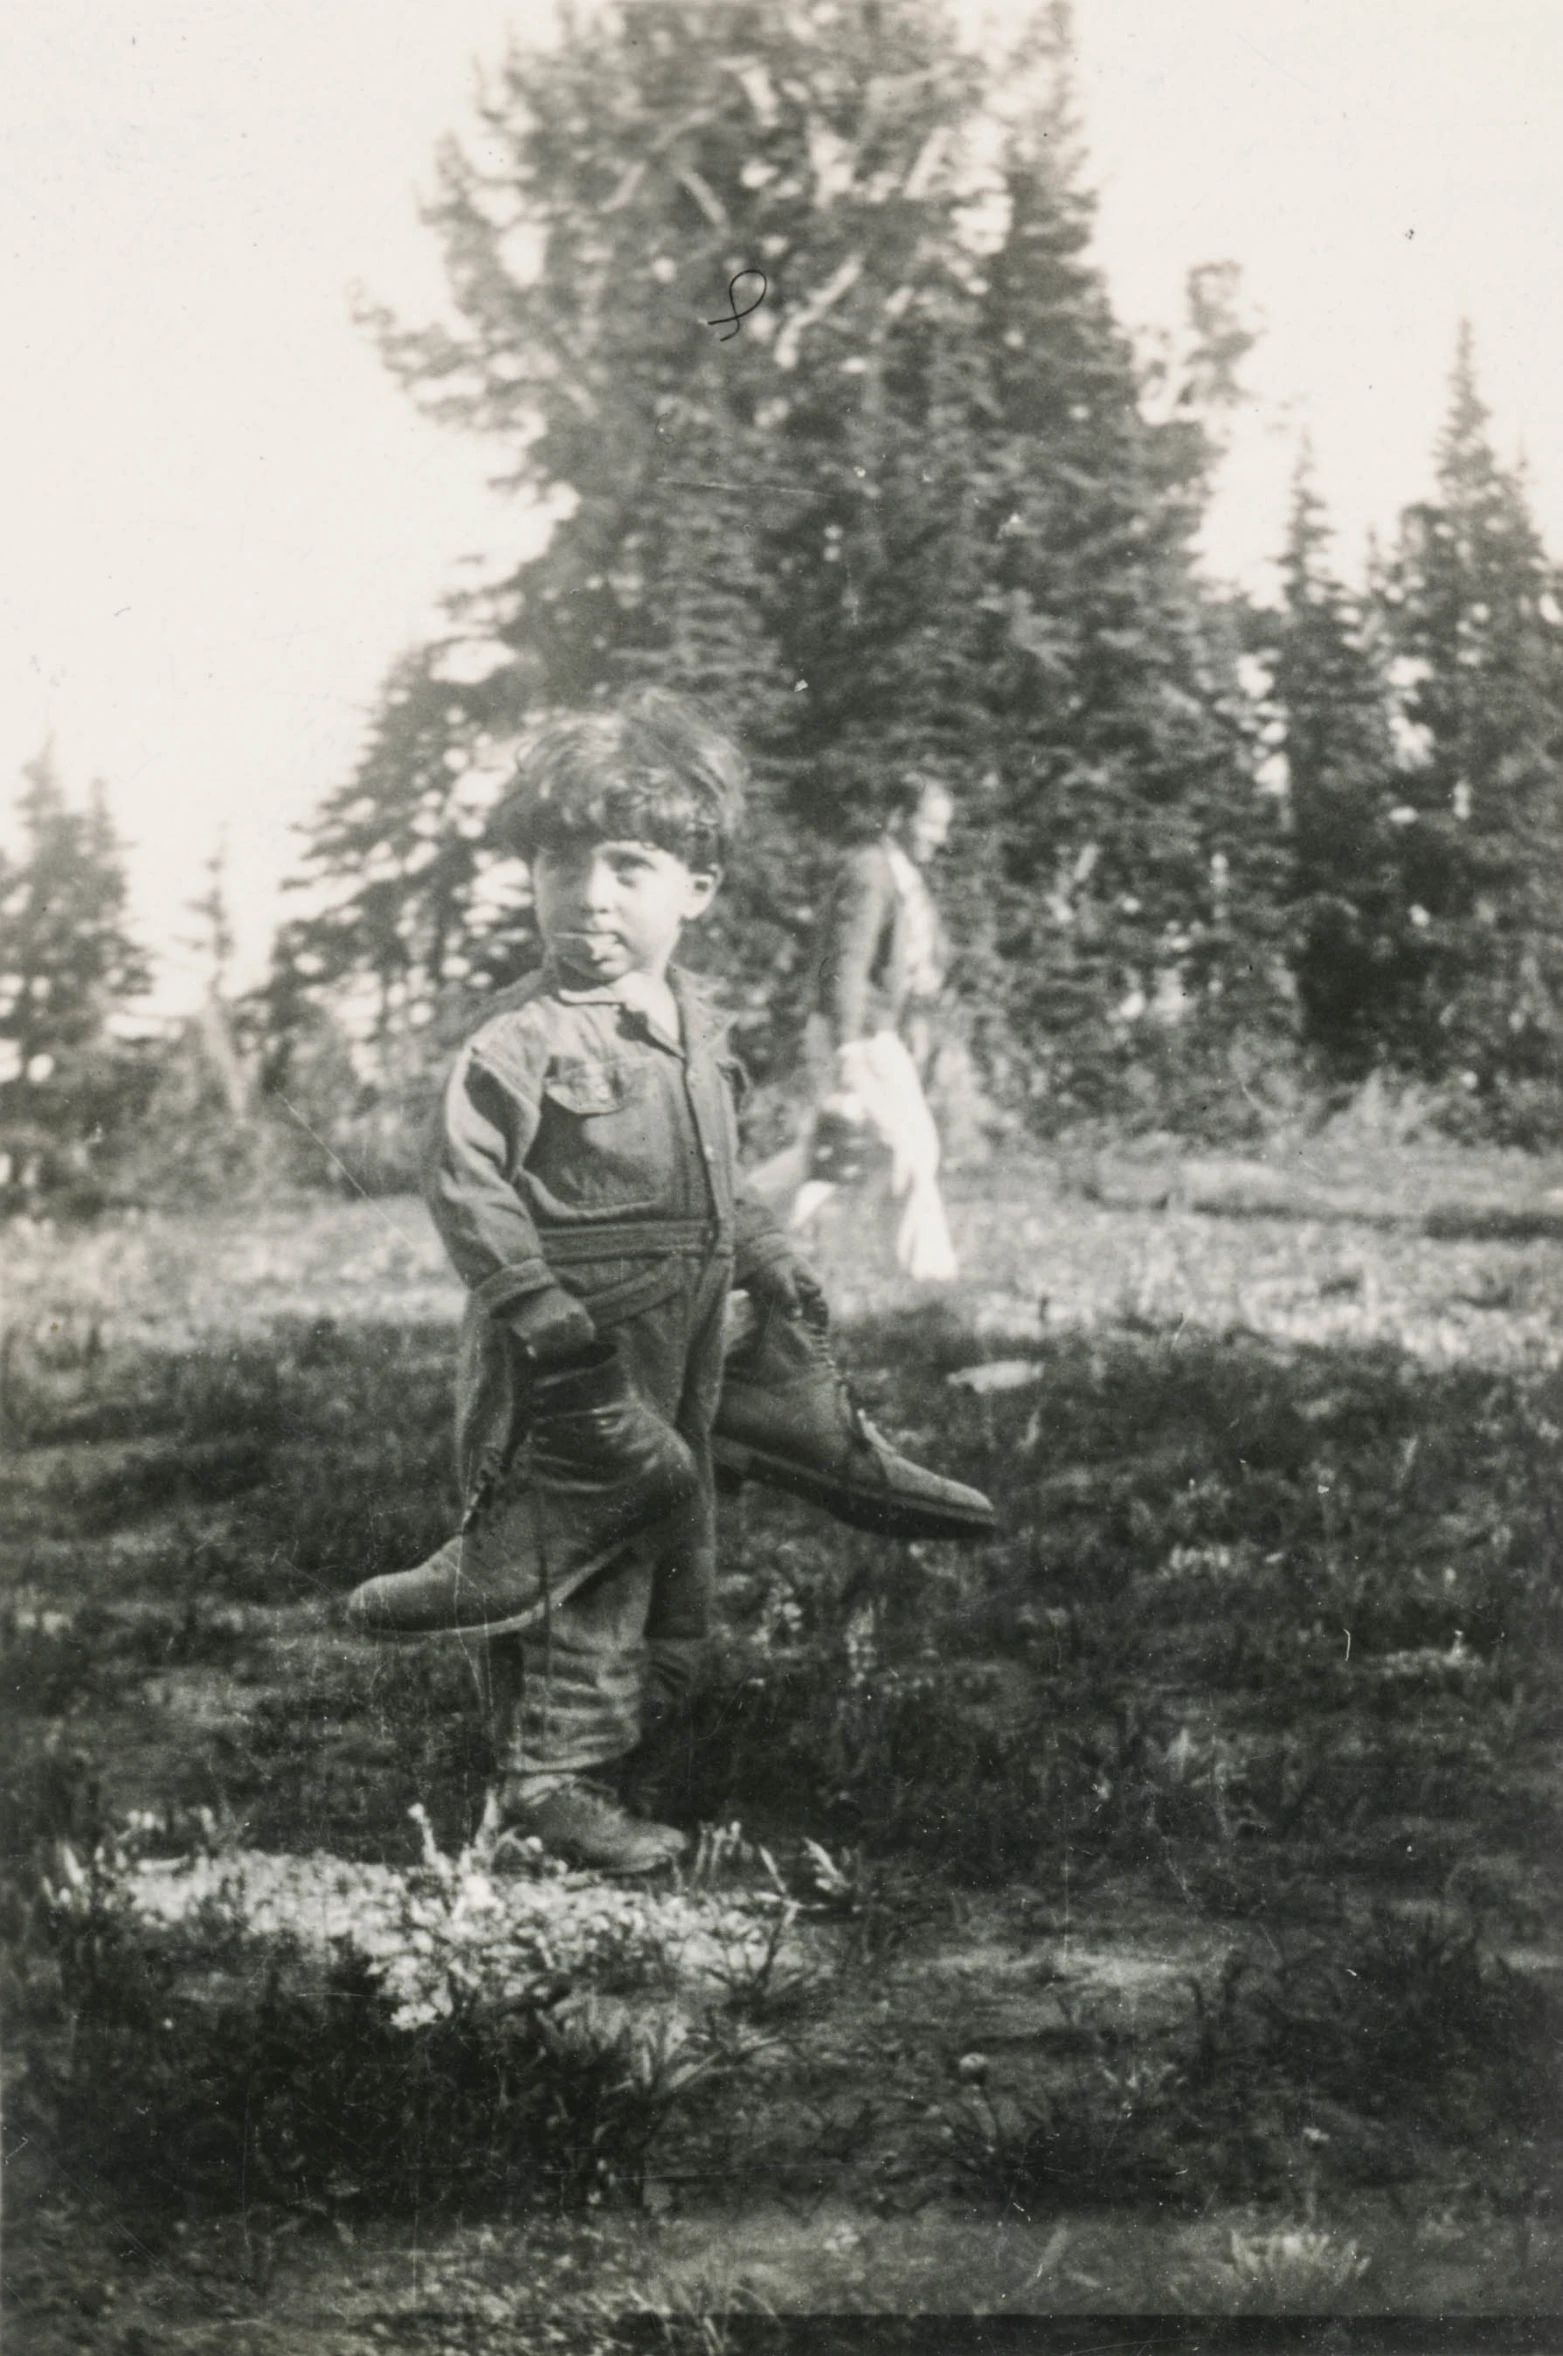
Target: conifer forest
1148, 1916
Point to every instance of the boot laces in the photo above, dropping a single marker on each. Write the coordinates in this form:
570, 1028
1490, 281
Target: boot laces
862, 1428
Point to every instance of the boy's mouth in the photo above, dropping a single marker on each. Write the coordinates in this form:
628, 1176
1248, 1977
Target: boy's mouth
593, 947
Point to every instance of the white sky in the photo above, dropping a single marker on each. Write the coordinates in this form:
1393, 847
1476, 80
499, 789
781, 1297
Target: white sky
220, 519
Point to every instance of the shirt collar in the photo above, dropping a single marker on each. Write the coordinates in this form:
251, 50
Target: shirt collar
622, 994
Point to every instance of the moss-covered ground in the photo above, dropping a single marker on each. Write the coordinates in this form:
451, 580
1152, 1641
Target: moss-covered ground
1171, 1911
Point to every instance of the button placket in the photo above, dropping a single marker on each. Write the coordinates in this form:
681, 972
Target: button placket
697, 1089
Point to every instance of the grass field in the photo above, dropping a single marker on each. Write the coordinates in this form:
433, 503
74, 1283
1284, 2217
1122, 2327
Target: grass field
1154, 1911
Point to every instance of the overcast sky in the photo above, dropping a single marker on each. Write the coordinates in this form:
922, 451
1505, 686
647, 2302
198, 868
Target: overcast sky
219, 519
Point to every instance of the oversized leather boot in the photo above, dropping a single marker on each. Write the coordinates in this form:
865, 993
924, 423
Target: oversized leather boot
596, 1468
787, 1418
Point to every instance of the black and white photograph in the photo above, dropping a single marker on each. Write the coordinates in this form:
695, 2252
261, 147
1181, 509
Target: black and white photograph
781, 1176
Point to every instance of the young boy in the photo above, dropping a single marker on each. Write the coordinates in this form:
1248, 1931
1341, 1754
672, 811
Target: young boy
584, 1178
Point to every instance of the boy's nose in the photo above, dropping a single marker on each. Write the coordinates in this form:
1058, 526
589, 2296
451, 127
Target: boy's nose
584, 885
597, 885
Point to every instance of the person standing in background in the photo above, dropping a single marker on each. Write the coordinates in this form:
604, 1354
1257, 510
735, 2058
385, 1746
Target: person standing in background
880, 969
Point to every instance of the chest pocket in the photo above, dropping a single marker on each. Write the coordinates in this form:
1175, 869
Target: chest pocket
590, 1088
603, 1141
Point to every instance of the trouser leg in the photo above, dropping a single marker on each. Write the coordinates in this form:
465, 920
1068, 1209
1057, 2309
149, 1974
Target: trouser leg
683, 1593
684, 1578
570, 1695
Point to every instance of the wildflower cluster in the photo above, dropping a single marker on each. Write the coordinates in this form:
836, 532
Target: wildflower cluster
1294, 2269
443, 1936
430, 2037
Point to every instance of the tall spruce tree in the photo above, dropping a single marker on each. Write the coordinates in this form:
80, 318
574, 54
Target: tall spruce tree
67, 959
397, 857
1473, 605
1354, 952
727, 480
1136, 873
68, 962
907, 509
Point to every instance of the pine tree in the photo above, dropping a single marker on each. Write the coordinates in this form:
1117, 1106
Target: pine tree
212, 908
1354, 950
1135, 891
68, 962
747, 513
1474, 610
907, 510
213, 1026
397, 856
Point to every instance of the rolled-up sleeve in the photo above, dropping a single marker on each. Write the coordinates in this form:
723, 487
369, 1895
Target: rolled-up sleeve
487, 1120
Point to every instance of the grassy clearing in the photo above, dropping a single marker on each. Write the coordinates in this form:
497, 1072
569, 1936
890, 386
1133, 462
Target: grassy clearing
1256, 1613
1185, 1859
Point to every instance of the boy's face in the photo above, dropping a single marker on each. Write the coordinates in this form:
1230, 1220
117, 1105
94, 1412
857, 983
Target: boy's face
606, 909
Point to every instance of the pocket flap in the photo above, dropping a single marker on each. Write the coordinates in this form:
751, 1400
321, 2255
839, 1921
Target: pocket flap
585, 1088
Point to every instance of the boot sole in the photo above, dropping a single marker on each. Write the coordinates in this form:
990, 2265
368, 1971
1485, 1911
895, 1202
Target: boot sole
886, 1516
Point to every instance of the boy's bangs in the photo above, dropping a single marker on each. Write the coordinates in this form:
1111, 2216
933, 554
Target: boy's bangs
658, 772
659, 811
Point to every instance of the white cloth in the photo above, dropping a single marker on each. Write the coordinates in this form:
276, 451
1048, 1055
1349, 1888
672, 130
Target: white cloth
878, 1076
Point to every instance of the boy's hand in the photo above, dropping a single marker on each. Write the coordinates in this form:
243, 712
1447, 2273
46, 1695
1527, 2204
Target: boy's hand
792, 1287
551, 1326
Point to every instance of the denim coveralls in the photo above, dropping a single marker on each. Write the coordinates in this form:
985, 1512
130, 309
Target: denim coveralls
579, 1144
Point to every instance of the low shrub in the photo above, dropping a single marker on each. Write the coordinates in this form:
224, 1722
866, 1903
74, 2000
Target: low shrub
1287, 2270
1312, 2061
192, 2038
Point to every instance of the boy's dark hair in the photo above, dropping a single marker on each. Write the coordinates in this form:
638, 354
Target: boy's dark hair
652, 768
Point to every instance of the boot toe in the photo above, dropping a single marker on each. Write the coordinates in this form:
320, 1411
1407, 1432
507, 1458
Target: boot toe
586, 1827
408, 1603
787, 1418
368, 1611
909, 1501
